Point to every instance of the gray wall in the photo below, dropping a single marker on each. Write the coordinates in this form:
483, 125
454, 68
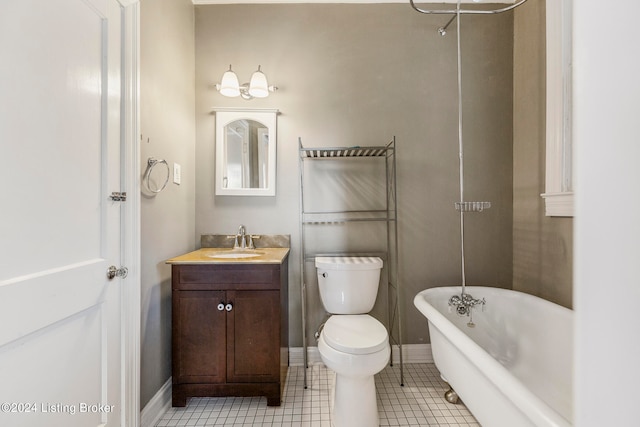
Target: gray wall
542, 246
358, 75
168, 132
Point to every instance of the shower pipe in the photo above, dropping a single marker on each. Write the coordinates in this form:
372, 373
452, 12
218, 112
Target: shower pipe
465, 11
465, 308
464, 303
443, 30
460, 147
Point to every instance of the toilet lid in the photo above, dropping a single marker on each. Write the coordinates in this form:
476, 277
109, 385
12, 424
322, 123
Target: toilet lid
355, 334
352, 263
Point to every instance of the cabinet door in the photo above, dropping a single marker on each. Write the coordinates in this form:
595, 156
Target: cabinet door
199, 337
253, 353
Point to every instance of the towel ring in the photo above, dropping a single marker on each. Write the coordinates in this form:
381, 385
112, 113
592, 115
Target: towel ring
151, 163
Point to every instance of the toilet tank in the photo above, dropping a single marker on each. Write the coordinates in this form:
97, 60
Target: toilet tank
348, 285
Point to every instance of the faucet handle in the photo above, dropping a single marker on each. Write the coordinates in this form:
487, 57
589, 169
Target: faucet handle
250, 244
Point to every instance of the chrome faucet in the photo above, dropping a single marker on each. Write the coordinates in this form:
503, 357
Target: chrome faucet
241, 239
464, 305
240, 235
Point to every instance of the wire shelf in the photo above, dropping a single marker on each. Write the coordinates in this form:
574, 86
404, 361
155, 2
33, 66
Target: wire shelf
388, 215
355, 151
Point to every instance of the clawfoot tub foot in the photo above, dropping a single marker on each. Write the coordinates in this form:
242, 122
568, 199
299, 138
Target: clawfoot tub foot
452, 396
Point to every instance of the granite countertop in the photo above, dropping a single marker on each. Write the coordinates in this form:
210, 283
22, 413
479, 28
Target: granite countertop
207, 256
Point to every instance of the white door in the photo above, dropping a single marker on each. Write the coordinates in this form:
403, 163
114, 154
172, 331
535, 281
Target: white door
60, 132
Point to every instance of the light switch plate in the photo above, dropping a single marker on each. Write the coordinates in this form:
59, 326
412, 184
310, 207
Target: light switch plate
177, 174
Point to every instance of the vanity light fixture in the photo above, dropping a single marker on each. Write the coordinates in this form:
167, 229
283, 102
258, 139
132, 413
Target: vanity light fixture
256, 88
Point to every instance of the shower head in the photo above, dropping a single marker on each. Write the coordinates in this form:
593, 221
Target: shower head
443, 30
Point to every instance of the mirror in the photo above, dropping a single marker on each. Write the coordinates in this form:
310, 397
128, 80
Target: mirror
246, 152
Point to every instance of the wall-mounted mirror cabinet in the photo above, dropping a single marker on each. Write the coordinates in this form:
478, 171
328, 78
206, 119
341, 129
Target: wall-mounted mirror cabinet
245, 152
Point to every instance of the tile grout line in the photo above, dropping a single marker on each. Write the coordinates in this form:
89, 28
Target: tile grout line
419, 403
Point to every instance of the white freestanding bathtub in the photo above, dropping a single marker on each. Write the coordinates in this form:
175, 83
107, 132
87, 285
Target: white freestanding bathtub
514, 368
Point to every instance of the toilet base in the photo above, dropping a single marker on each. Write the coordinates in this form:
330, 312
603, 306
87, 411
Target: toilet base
354, 402
354, 393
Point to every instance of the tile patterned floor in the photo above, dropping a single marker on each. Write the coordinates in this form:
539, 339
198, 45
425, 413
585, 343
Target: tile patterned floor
419, 403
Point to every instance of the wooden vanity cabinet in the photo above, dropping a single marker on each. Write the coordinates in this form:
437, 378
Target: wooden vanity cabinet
229, 330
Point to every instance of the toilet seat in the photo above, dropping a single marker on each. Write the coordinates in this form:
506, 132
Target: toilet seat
355, 334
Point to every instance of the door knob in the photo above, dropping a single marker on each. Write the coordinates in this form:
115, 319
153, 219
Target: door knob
113, 272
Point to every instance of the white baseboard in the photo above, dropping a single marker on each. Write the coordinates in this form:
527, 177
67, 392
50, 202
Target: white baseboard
161, 401
296, 356
413, 353
157, 406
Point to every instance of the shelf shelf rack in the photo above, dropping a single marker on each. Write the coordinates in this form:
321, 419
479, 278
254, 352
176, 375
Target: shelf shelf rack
388, 216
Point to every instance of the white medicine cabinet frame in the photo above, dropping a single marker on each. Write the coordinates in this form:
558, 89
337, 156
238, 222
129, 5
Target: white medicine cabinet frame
245, 163
558, 195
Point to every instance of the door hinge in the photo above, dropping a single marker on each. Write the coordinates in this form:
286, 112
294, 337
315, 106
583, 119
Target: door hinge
118, 196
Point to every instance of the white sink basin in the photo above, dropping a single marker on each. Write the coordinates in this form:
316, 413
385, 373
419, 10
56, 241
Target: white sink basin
235, 254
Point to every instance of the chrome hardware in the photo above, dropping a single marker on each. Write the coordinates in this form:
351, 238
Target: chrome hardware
240, 235
472, 206
443, 30
451, 396
228, 307
113, 272
221, 306
463, 305
118, 196
318, 332
243, 240
151, 163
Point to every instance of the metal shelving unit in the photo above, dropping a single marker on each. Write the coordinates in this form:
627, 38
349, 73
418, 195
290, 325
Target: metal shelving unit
388, 216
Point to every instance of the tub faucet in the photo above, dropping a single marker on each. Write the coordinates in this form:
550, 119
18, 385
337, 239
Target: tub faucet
464, 303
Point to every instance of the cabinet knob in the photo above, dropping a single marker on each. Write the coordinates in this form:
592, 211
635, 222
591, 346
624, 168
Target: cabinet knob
229, 307
221, 306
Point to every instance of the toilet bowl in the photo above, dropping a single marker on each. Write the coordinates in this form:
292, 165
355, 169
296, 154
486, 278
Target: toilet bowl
352, 343
355, 347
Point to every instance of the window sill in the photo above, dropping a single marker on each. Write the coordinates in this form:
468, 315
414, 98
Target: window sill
558, 204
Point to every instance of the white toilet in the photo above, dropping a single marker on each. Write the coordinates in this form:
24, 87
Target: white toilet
352, 343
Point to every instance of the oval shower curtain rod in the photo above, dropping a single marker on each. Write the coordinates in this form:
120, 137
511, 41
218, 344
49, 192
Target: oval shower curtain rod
466, 11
